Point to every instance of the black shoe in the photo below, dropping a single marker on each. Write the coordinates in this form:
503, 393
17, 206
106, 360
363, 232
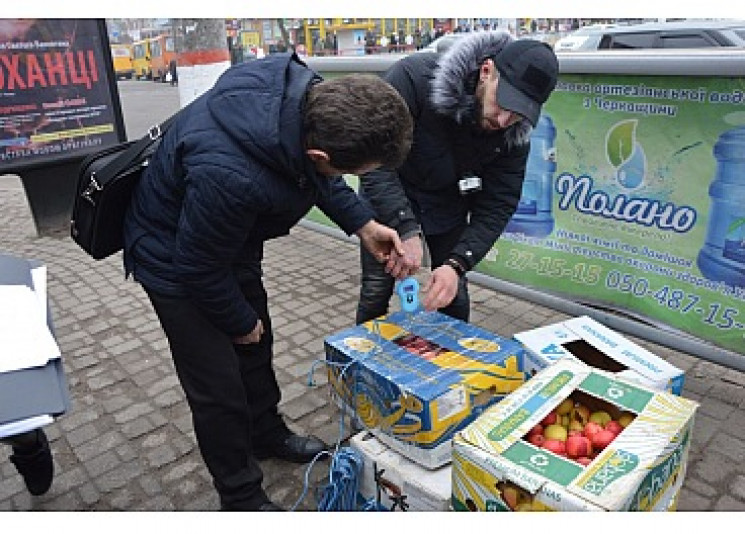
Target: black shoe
269, 506
265, 506
294, 448
35, 466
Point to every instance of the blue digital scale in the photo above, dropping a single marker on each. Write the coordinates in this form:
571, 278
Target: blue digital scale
408, 291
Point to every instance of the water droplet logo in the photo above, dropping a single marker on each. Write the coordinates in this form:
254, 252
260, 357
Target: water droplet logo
625, 154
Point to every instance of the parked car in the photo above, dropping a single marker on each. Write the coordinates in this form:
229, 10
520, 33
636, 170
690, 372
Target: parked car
678, 34
441, 44
584, 38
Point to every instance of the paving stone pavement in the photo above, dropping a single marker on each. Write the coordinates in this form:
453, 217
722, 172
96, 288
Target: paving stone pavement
128, 443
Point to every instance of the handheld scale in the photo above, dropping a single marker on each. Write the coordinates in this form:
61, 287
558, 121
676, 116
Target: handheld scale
408, 291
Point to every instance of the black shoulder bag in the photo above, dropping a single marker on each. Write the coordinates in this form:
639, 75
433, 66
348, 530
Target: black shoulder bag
106, 180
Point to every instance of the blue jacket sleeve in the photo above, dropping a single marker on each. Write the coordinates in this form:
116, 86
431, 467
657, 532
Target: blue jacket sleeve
344, 207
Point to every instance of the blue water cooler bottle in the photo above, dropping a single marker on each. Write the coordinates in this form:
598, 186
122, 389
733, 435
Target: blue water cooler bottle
722, 258
533, 216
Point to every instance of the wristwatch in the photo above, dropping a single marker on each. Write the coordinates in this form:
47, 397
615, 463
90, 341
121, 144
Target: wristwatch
457, 266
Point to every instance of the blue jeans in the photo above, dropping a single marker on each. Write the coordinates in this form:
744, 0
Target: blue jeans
376, 286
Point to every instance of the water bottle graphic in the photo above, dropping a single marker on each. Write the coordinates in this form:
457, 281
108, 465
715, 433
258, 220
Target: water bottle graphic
533, 216
722, 257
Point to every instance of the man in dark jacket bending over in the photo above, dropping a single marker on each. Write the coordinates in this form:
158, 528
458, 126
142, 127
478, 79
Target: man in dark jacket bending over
241, 165
473, 108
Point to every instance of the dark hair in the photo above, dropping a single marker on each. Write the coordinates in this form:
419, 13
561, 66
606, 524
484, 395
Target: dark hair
358, 119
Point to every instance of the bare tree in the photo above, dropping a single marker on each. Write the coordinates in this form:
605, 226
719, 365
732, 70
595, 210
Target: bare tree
285, 35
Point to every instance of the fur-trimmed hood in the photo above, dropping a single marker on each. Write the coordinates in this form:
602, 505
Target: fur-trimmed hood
457, 69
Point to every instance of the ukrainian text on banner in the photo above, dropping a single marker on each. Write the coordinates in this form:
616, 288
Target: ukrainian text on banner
55, 98
634, 199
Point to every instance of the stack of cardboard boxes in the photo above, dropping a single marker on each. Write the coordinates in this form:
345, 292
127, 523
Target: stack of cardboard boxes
448, 409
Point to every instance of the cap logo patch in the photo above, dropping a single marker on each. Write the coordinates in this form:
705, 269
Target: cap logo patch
536, 78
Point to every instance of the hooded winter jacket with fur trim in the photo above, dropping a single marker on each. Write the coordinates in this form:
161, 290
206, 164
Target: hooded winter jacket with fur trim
423, 194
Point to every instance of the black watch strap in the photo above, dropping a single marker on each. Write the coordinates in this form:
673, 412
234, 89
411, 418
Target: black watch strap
457, 266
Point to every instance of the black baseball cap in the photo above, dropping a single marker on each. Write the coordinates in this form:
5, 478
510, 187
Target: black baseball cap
527, 74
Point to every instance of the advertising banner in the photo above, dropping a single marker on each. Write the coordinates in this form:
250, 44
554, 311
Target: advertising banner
634, 200
55, 91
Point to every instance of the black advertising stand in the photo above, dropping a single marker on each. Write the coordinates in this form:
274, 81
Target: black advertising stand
59, 102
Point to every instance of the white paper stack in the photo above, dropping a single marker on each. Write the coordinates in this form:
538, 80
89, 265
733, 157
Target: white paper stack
33, 389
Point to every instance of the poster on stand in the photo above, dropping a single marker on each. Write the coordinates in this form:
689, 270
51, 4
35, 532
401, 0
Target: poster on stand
58, 96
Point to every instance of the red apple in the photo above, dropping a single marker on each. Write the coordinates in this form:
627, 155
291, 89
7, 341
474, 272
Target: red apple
550, 419
575, 433
614, 426
555, 446
578, 446
602, 439
591, 429
511, 497
537, 439
584, 460
537, 429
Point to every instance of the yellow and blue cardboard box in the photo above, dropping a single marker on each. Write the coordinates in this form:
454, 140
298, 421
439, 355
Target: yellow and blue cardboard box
596, 345
415, 379
641, 469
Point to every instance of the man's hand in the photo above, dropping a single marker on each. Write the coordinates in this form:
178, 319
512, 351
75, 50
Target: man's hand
380, 241
400, 267
253, 337
441, 288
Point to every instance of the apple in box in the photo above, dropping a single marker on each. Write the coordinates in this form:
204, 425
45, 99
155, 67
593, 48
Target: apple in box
579, 427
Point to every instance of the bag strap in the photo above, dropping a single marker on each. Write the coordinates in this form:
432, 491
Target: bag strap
133, 152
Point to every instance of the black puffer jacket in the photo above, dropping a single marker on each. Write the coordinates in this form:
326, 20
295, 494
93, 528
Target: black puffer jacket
230, 173
447, 146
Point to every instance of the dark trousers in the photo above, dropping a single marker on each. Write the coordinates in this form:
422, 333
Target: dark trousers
377, 286
232, 392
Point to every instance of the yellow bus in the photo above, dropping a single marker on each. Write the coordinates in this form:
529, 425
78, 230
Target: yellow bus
121, 55
141, 60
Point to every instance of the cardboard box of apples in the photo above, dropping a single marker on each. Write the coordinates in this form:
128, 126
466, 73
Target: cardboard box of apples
574, 438
414, 379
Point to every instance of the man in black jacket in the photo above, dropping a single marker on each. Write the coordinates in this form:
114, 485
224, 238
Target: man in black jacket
240, 165
473, 108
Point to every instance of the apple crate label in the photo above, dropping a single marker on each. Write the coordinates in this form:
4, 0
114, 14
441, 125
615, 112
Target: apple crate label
531, 406
543, 462
619, 393
614, 466
660, 478
496, 506
451, 402
508, 426
553, 351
